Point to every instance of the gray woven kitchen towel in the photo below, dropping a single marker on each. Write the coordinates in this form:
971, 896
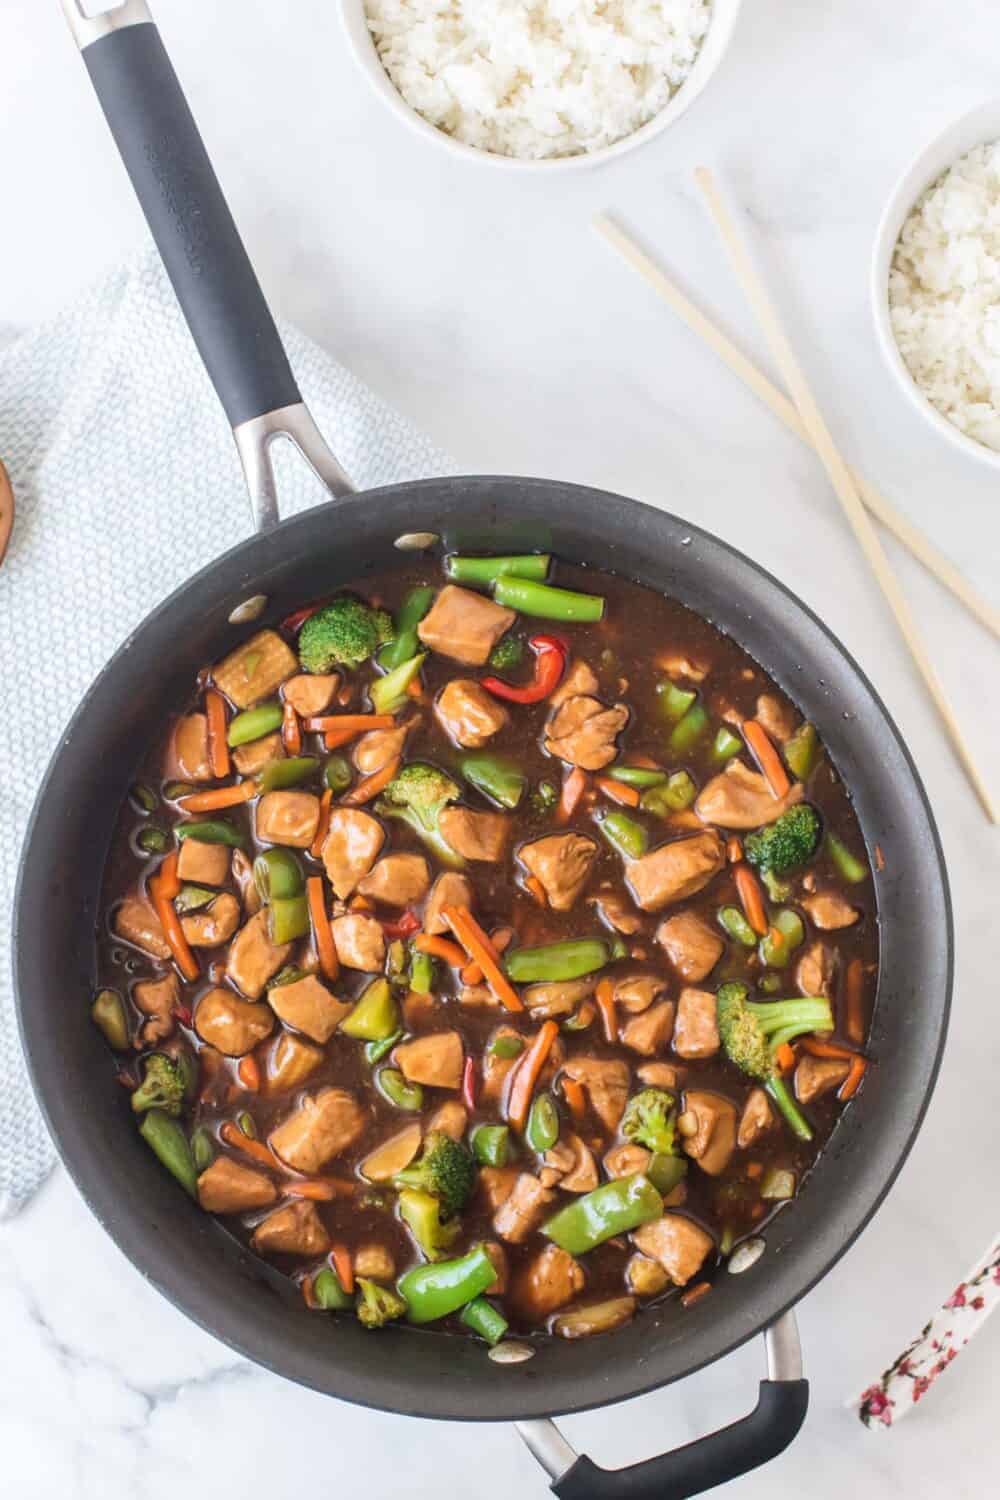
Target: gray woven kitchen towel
127, 481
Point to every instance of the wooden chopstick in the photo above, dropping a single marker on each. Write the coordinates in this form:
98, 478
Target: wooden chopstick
892, 519
838, 473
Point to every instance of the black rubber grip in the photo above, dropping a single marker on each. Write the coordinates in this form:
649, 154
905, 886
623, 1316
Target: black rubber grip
701, 1465
191, 223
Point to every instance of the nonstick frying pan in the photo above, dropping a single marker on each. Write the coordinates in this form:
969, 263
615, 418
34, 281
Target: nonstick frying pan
184, 1252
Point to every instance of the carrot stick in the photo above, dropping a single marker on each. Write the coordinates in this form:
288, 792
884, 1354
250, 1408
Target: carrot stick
168, 878
525, 1076
785, 1058
575, 1098
323, 826
334, 723
322, 932
163, 886
573, 788
218, 750
852, 1082
291, 730
471, 974
695, 1293
370, 786
479, 948
750, 898
440, 947
319, 1189
734, 850
854, 995
826, 1049
766, 757
234, 1137
534, 886
249, 1073
628, 796
605, 997
222, 796
335, 738
644, 763
340, 1260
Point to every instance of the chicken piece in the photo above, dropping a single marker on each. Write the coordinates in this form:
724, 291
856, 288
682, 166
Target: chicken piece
186, 757
714, 1141
574, 1163
741, 798
562, 862
228, 1187
649, 1032
379, 746
249, 759
288, 818
351, 847
214, 924
310, 694
675, 871
436, 1059
203, 864
290, 1062
606, 1081
691, 945
645, 1277
636, 992
658, 1075
696, 1033
448, 890
776, 717
520, 1215
253, 958
231, 1025
583, 731
756, 1120
243, 875
450, 1118
830, 911
136, 922
374, 1262
615, 912
478, 997
495, 1185
475, 835
397, 880
816, 1076
309, 1006
815, 970
548, 1281
360, 941
256, 669
469, 715
496, 1069
324, 1125
464, 625
557, 997
498, 1256
296, 1229
156, 998
580, 681
677, 1243
626, 1160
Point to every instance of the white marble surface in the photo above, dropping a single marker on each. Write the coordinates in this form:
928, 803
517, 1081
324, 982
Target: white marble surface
483, 307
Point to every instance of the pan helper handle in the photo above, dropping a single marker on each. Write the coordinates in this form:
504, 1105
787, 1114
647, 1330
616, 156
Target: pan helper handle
201, 248
699, 1466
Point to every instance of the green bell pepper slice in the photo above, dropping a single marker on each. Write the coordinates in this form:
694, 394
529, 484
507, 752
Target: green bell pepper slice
435, 1290
614, 1208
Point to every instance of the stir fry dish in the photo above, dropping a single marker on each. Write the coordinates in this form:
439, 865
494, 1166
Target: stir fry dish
490, 948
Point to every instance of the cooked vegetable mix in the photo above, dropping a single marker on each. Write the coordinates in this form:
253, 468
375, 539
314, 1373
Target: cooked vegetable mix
487, 978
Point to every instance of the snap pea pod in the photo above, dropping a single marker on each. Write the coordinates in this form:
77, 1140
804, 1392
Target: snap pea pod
482, 1317
571, 959
278, 775
375, 1051
775, 954
254, 723
686, 734
211, 831
850, 868
328, 1292
108, 1015
676, 793
202, 1149
614, 1208
543, 1123
289, 918
491, 1145
277, 875
422, 973
732, 920
167, 1140
637, 776
375, 1016
489, 569
499, 779
624, 834
389, 693
801, 751
546, 603
337, 773
406, 643
433, 1291
394, 1087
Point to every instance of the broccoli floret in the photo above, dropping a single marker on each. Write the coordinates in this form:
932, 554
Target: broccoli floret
544, 797
418, 796
421, 1213
650, 1121
344, 633
507, 653
789, 841
378, 1305
446, 1169
751, 1034
163, 1086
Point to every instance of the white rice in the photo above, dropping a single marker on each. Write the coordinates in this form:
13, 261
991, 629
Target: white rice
538, 78
944, 294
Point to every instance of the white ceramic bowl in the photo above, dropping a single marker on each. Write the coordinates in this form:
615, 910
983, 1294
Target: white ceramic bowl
974, 129
717, 39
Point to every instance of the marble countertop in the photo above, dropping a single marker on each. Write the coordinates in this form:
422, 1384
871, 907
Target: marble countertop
482, 305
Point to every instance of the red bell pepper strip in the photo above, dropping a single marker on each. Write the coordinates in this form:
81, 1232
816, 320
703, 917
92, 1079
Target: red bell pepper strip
550, 663
404, 927
294, 622
469, 1084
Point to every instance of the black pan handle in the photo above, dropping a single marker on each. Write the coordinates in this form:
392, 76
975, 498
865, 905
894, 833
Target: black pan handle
699, 1466
200, 245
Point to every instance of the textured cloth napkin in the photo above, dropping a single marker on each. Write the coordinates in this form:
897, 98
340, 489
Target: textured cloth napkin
127, 482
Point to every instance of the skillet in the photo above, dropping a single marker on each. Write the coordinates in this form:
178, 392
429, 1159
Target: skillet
185, 1253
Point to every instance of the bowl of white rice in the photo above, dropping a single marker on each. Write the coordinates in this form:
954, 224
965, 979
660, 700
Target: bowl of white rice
936, 282
539, 84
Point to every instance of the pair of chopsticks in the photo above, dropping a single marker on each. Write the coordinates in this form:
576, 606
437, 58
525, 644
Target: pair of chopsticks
803, 417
